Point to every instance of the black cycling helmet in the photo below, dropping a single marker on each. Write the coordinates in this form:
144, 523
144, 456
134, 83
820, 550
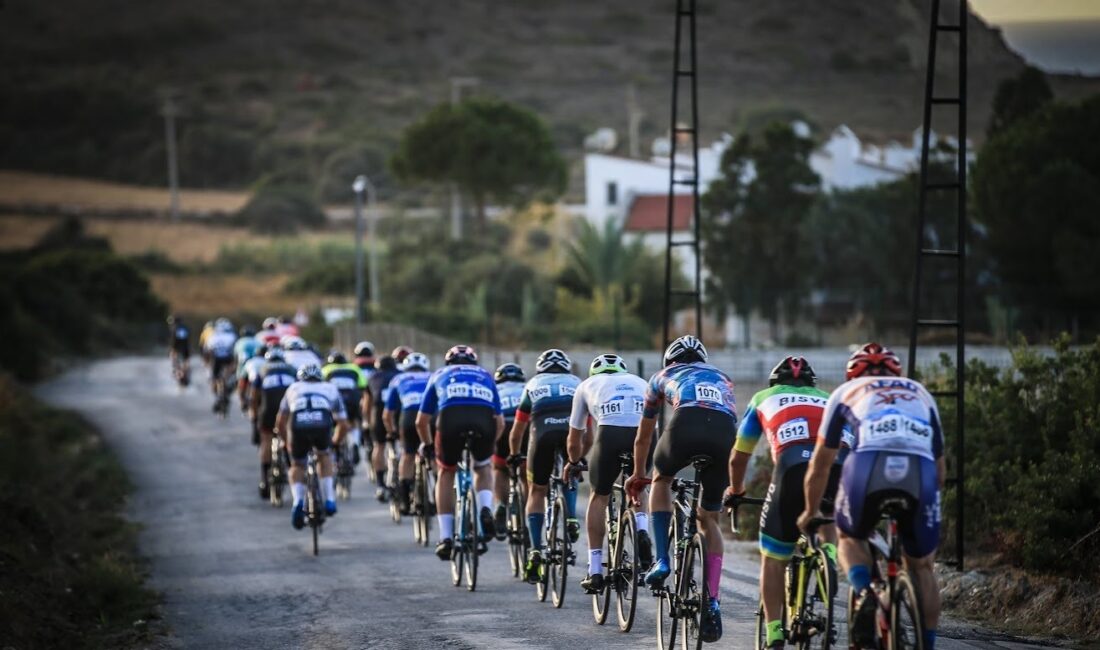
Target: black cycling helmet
460, 354
686, 349
793, 371
553, 360
261, 351
336, 356
247, 331
509, 372
385, 363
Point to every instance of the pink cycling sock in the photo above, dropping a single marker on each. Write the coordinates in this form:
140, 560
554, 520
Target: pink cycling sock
714, 572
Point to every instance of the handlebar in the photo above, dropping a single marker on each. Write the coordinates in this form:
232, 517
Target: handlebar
733, 502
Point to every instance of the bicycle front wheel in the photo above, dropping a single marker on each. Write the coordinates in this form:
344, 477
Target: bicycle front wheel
816, 628
559, 553
668, 606
692, 587
625, 572
457, 555
906, 630
601, 602
471, 541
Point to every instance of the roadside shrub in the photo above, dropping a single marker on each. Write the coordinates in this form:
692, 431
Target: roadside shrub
281, 209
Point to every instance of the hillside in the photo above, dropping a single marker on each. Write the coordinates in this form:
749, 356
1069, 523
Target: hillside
316, 90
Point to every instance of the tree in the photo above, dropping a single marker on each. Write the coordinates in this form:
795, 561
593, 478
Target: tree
754, 243
1019, 97
492, 150
1036, 189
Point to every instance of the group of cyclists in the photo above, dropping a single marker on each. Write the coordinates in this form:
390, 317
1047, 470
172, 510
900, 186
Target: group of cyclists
874, 444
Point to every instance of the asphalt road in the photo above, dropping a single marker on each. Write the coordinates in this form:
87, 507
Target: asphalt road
234, 574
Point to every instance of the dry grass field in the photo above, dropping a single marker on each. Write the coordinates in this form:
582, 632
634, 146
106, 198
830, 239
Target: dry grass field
227, 294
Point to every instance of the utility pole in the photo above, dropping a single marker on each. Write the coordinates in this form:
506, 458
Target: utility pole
358, 186
634, 117
170, 112
457, 83
361, 184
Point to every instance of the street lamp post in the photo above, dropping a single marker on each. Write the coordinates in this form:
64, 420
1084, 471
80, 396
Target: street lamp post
457, 84
363, 183
358, 186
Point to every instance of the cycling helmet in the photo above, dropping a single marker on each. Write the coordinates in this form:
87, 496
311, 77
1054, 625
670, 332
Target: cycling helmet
416, 360
364, 349
336, 356
872, 359
223, 324
686, 349
310, 372
401, 352
606, 364
275, 354
553, 360
270, 322
261, 351
793, 371
385, 363
247, 331
293, 343
509, 372
460, 354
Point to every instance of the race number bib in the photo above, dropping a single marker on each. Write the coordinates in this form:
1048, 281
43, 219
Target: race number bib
611, 408
310, 418
708, 393
793, 430
411, 399
469, 391
895, 425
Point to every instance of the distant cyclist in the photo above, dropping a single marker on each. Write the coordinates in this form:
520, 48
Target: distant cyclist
614, 400
378, 392
545, 404
399, 417
897, 454
461, 397
180, 352
311, 407
268, 388
400, 353
219, 347
248, 372
267, 334
702, 423
244, 349
298, 352
788, 414
510, 381
349, 378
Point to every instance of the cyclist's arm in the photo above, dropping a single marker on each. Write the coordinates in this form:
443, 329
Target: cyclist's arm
423, 427
748, 434
387, 420
499, 417
818, 474
519, 426
368, 403
642, 441
428, 406
574, 444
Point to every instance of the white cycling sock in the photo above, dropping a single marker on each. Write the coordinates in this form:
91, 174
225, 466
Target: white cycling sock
485, 499
595, 561
328, 487
299, 492
641, 521
446, 526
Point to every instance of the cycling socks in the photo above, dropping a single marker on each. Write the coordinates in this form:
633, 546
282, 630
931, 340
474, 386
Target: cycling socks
713, 568
830, 550
485, 499
570, 503
446, 526
328, 488
595, 561
641, 521
859, 576
299, 492
661, 520
929, 640
534, 528
775, 632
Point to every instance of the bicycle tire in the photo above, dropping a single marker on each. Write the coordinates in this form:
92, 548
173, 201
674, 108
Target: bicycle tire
761, 639
692, 588
518, 541
471, 540
816, 618
559, 555
542, 585
905, 604
667, 620
601, 602
457, 556
625, 572
315, 515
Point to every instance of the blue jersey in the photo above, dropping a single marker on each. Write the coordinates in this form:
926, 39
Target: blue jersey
547, 391
690, 384
407, 390
460, 385
511, 394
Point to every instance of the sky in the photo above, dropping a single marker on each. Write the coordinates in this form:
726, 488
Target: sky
1015, 11
1053, 35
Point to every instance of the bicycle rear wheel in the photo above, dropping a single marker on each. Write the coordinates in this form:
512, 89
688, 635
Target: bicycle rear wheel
542, 586
668, 605
693, 592
315, 514
906, 631
601, 602
761, 638
816, 628
559, 553
458, 557
518, 541
470, 539
625, 572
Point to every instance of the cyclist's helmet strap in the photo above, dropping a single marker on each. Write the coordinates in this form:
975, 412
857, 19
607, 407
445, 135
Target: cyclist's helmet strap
793, 371
686, 349
872, 359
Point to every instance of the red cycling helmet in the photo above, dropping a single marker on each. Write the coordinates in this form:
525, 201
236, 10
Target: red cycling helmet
873, 359
460, 354
400, 352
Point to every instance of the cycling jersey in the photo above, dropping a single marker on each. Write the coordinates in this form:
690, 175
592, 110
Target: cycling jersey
458, 385
511, 394
789, 416
250, 371
220, 344
380, 387
245, 348
268, 337
547, 392
181, 336
690, 384
347, 377
272, 381
611, 399
312, 405
891, 414
299, 358
406, 392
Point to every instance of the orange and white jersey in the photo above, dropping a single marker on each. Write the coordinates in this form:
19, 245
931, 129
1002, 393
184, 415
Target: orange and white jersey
885, 414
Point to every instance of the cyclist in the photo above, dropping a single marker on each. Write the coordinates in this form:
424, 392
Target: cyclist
461, 397
311, 406
286, 327
267, 334
244, 349
268, 388
546, 401
349, 378
204, 334
614, 400
399, 417
400, 353
897, 452
510, 381
247, 373
219, 347
364, 358
180, 353
298, 352
374, 403
703, 422
788, 413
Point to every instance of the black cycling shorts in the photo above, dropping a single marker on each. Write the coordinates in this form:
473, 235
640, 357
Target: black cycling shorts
548, 434
218, 366
182, 348
377, 426
503, 445
302, 440
698, 431
453, 422
786, 500
603, 460
409, 437
355, 413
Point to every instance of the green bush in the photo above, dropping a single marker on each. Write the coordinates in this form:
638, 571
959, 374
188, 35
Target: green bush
281, 209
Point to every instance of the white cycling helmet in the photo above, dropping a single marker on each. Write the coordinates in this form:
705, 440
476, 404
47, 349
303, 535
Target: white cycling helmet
416, 360
686, 349
291, 342
223, 325
553, 360
607, 364
310, 372
275, 354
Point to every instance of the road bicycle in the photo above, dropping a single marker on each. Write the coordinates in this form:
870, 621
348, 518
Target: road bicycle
809, 588
278, 473
423, 500
519, 541
559, 554
344, 470
898, 621
682, 603
624, 571
315, 502
468, 544
181, 371
393, 464
223, 388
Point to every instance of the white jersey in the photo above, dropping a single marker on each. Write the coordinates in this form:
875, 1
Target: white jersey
252, 369
313, 404
299, 358
220, 344
886, 414
616, 399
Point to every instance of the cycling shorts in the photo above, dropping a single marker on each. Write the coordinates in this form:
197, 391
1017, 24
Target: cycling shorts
454, 421
503, 445
377, 427
548, 433
873, 481
410, 439
603, 460
302, 440
219, 365
182, 348
697, 431
786, 500
351, 407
